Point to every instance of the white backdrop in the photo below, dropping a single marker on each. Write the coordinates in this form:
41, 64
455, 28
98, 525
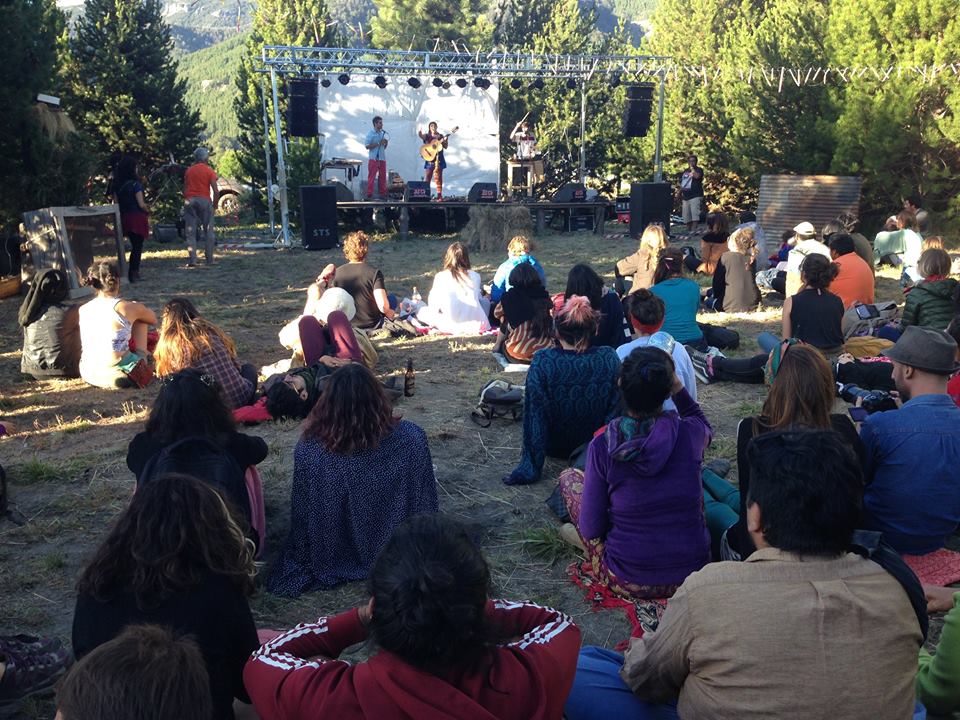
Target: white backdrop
346, 112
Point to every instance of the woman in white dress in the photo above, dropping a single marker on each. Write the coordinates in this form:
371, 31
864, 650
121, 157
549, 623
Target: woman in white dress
455, 305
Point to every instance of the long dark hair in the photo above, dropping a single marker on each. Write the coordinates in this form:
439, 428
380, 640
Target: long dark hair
429, 587
176, 530
669, 265
185, 337
104, 277
189, 403
457, 261
525, 277
802, 393
352, 414
125, 172
583, 280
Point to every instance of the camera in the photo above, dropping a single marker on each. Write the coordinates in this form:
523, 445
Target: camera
870, 400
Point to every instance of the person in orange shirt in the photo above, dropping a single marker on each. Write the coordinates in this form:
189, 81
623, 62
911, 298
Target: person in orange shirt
200, 197
854, 283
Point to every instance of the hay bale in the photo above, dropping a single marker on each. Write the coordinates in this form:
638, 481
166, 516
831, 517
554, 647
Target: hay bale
491, 226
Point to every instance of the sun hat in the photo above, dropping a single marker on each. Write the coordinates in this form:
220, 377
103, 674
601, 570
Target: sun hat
926, 349
805, 230
335, 299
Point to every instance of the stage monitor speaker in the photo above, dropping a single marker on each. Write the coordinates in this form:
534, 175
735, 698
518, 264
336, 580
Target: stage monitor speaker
650, 203
302, 118
318, 216
483, 192
571, 192
416, 191
344, 194
638, 109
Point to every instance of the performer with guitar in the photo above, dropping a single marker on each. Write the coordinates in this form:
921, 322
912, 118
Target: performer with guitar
432, 154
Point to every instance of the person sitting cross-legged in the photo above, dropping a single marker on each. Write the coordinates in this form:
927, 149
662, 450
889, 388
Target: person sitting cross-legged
445, 649
912, 454
802, 629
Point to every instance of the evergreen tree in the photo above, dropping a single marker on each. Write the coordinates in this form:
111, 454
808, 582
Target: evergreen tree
124, 84
516, 22
426, 24
39, 168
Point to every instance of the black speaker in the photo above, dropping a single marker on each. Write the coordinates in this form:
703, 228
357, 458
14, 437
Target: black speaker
344, 194
483, 193
637, 110
318, 216
302, 120
571, 192
416, 191
649, 203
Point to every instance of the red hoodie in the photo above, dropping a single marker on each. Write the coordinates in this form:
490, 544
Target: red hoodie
527, 679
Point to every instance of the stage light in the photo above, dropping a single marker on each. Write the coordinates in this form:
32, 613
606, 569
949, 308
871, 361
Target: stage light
461, 82
571, 84
380, 81
343, 78
515, 83
537, 84
481, 83
438, 82
413, 82
446, 84
325, 82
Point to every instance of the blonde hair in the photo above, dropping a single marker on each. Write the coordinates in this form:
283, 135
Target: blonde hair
933, 261
655, 239
933, 243
355, 246
518, 245
745, 241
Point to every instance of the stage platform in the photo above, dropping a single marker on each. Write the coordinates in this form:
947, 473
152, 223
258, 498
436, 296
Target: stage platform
538, 209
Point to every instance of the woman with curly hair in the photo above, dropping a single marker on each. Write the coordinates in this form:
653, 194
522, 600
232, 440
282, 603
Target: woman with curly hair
188, 340
176, 557
358, 472
363, 281
445, 648
814, 314
571, 391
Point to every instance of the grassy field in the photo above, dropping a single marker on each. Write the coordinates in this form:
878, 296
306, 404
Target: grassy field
69, 480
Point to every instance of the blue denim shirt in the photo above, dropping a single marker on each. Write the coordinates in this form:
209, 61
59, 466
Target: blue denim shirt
913, 473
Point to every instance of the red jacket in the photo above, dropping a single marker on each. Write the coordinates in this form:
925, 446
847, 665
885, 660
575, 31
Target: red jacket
528, 678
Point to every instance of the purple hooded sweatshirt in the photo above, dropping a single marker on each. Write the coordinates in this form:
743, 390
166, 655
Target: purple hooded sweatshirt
642, 495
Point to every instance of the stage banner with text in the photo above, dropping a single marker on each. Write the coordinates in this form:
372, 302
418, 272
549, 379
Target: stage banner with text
473, 156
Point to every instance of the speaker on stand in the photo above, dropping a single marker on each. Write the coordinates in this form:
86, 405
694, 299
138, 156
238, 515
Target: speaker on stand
637, 110
302, 117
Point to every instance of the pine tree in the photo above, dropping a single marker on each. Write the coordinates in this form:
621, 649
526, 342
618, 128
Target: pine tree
516, 22
124, 84
429, 24
37, 170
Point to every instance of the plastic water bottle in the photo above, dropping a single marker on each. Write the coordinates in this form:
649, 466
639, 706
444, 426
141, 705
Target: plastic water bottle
415, 297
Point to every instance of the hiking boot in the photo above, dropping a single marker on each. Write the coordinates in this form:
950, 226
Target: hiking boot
29, 669
701, 364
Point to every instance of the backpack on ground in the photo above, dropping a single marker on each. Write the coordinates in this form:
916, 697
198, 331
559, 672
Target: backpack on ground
498, 398
865, 319
202, 458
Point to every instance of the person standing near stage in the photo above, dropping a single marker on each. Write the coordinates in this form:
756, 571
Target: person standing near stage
434, 168
200, 197
691, 191
376, 143
526, 141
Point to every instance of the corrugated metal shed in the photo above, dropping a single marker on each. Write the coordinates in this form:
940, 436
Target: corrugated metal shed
787, 200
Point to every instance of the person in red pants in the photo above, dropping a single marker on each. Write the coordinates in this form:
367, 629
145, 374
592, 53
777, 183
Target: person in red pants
376, 143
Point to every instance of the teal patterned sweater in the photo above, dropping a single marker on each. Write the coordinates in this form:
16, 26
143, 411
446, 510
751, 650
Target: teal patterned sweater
568, 396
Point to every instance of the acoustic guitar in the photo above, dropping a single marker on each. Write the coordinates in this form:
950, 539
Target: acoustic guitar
430, 150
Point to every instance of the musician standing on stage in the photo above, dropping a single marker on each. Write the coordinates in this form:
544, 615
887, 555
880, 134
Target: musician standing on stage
376, 142
434, 168
526, 141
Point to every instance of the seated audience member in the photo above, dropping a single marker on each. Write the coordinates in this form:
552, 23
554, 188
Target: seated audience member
51, 328
646, 314
144, 673
456, 305
445, 650
324, 333
930, 303
748, 220
112, 330
681, 298
813, 315
190, 409
362, 281
570, 391
900, 247
518, 251
358, 472
639, 508
911, 204
854, 282
801, 396
848, 223
713, 243
938, 680
734, 287
802, 629
803, 244
582, 280
293, 394
188, 340
912, 454
177, 558
640, 266
524, 311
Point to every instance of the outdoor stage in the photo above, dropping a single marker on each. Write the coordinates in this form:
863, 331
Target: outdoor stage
539, 210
